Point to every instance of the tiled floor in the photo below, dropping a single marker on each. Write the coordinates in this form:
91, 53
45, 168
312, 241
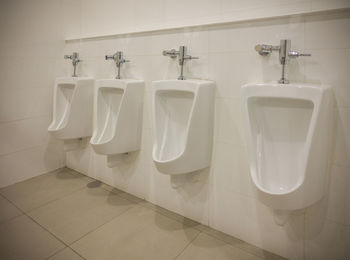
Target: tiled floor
65, 215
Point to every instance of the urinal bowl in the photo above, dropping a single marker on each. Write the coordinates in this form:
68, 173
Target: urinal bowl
288, 135
72, 108
183, 113
117, 116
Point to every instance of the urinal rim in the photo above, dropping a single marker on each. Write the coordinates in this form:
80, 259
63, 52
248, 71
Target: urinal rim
316, 101
156, 89
98, 87
111, 83
58, 83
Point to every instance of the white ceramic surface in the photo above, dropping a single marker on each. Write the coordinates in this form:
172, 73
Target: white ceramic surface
117, 116
72, 108
183, 112
288, 135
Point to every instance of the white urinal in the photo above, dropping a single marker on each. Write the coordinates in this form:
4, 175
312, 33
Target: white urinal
183, 112
288, 134
117, 117
72, 108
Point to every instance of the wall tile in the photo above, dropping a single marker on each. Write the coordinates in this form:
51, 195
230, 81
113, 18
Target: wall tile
243, 37
325, 239
327, 31
184, 194
23, 134
229, 121
28, 163
341, 151
231, 170
18, 104
249, 220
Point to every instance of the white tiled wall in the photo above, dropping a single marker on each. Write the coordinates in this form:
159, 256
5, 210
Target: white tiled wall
32, 34
222, 196
119, 16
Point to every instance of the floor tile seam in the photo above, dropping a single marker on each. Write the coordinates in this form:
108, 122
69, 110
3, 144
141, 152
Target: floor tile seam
56, 199
76, 252
21, 211
99, 226
48, 257
200, 230
47, 230
186, 246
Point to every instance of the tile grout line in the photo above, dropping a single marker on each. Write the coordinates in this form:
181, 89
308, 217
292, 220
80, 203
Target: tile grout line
197, 228
24, 214
113, 218
21, 211
189, 243
48, 202
67, 245
63, 196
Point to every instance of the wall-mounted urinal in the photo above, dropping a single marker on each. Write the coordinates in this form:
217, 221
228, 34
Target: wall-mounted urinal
183, 112
117, 117
288, 134
72, 109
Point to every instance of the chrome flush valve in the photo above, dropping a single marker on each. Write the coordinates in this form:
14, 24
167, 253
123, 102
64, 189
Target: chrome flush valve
181, 53
75, 60
285, 54
118, 59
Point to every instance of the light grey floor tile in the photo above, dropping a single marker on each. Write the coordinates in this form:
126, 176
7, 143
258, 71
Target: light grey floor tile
73, 216
22, 238
206, 247
263, 254
172, 215
66, 254
39, 190
140, 233
7, 210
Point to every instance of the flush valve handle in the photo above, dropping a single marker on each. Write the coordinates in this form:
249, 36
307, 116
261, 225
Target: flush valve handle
266, 49
172, 53
295, 54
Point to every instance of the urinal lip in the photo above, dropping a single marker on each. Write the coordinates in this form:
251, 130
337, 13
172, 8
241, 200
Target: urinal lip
117, 81
166, 161
295, 187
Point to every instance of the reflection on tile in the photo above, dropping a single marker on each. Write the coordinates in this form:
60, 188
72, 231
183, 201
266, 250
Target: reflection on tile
22, 238
325, 239
251, 249
207, 247
140, 233
39, 190
7, 210
75, 215
66, 254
